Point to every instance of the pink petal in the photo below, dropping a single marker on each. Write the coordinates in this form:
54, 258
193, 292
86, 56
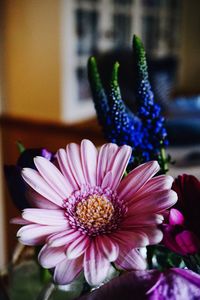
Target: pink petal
96, 265
158, 183
153, 233
108, 247
169, 239
19, 220
77, 247
130, 239
115, 159
119, 165
38, 201
130, 260
35, 234
67, 270
71, 184
153, 203
105, 159
89, 161
155, 184
74, 159
63, 238
136, 179
176, 217
161, 182
107, 180
141, 220
151, 187
45, 216
52, 176
33, 178
188, 242
49, 257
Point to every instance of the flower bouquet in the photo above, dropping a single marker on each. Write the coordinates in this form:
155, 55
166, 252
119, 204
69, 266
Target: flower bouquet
109, 223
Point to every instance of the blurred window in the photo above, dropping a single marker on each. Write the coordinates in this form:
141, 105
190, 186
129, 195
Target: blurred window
105, 25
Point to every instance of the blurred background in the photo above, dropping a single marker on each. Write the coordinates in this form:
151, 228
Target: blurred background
44, 91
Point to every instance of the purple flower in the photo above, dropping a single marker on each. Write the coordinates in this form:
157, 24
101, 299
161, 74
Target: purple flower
173, 284
188, 189
177, 237
182, 226
16, 184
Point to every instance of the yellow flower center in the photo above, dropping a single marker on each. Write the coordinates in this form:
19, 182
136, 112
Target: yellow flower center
95, 211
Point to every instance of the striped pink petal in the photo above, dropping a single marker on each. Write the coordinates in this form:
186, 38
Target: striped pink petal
115, 159
141, 220
38, 201
119, 165
161, 182
63, 238
96, 265
105, 159
35, 180
89, 161
49, 257
154, 185
107, 180
158, 183
35, 234
74, 159
45, 216
153, 234
136, 179
130, 239
78, 247
108, 247
153, 203
52, 175
130, 260
63, 162
67, 270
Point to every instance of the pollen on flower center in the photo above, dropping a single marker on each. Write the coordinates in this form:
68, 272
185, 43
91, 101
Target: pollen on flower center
95, 211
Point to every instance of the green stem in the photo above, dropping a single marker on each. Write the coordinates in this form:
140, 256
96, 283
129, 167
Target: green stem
46, 292
163, 160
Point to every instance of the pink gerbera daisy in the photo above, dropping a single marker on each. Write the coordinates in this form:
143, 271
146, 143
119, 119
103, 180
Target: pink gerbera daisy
86, 216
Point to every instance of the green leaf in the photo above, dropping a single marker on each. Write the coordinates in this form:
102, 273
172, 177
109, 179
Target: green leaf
20, 147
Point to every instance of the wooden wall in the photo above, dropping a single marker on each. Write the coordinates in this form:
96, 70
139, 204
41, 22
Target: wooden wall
31, 59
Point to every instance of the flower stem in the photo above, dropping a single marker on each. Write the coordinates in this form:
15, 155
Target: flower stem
163, 160
46, 292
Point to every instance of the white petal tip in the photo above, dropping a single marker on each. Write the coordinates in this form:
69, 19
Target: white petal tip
25, 170
173, 196
39, 159
155, 164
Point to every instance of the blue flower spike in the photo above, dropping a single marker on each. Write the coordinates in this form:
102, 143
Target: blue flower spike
154, 133
144, 132
98, 93
125, 125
